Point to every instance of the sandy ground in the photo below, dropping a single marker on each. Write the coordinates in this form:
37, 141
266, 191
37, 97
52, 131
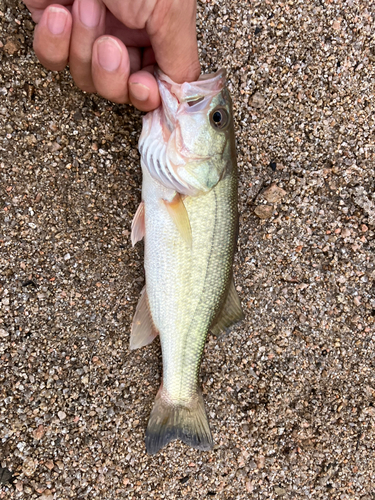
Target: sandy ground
290, 393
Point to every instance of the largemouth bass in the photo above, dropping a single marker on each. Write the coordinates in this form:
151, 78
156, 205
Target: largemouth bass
188, 218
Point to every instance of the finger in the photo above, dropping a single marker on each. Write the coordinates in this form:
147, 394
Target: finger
88, 25
171, 26
111, 68
37, 7
52, 37
143, 90
148, 58
174, 40
130, 37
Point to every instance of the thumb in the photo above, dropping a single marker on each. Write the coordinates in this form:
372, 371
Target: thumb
172, 31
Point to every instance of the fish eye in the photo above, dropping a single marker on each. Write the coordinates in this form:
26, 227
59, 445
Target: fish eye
219, 118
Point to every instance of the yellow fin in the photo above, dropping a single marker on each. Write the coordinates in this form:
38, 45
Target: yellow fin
178, 212
143, 329
230, 314
138, 224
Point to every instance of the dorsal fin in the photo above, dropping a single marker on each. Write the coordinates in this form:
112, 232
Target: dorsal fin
230, 314
180, 217
143, 329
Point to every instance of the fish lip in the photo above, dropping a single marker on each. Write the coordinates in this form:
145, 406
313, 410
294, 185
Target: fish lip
206, 86
220, 74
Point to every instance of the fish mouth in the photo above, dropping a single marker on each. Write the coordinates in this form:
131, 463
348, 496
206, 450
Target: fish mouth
188, 96
206, 85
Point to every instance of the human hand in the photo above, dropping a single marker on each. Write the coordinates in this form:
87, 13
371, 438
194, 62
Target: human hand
111, 45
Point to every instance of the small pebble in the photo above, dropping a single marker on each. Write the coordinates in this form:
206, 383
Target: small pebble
46, 496
11, 46
19, 485
39, 432
281, 492
257, 100
274, 194
264, 211
29, 466
345, 233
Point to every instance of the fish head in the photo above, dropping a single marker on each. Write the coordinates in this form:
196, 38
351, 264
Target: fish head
187, 144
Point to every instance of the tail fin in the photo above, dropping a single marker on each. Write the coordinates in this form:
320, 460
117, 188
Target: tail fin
169, 421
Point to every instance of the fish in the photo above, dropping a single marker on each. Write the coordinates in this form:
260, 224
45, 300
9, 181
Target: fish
188, 218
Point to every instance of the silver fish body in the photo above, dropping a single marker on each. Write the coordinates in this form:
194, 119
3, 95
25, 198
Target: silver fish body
189, 222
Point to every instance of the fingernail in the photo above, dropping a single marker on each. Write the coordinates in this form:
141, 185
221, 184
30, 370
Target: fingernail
109, 54
139, 91
89, 13
56, 20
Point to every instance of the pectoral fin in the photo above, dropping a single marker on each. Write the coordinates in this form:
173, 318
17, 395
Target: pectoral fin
178, 212
138, 224
143, 329
231, 312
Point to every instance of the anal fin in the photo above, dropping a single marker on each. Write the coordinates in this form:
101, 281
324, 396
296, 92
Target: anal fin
138, 224
143, 329
230, 314
180, 217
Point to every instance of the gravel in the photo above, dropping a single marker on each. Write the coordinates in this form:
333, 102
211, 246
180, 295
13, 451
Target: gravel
290, 392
